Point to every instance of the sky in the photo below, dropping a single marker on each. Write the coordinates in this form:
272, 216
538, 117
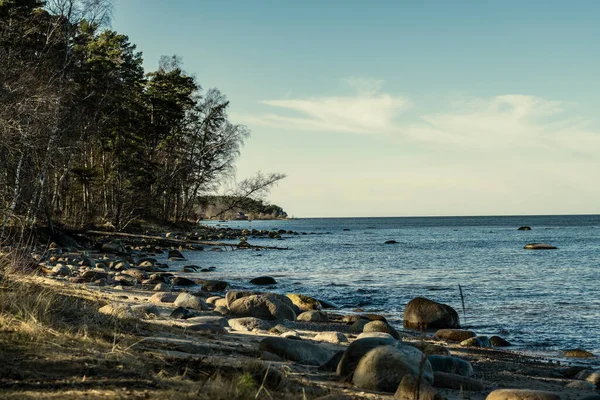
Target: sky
398, 108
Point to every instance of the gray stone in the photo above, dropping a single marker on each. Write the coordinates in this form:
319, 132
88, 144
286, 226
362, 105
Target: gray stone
497, 341
163, 297
211, 320
313, 316
263, 280
383, 368
234, 295
521, 394
304, 303
188, 300
381, 335
478, 341
539, 246
331, 337
121, 311
207, 329
248, 324
452, 365
263, 307
299, 351
454, 335
356, 351
422, 313
382, 326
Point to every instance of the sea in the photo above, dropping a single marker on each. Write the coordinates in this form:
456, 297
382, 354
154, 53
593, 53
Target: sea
542, 301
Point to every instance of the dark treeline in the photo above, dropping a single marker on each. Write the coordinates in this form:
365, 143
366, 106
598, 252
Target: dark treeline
86, 136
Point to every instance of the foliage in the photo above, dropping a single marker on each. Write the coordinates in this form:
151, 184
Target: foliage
86, 136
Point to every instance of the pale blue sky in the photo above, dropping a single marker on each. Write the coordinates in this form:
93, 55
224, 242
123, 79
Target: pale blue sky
397, 108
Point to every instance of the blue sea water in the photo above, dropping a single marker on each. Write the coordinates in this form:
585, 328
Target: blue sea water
541, 301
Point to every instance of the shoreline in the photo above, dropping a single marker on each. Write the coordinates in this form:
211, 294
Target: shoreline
492, 367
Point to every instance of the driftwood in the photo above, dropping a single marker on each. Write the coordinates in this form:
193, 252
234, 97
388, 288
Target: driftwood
173, 241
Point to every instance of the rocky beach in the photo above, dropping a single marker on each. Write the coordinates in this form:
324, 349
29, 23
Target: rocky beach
197, 330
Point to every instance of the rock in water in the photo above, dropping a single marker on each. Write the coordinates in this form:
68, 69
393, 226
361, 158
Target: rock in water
263, 280
454, 335
524, 228
304, 303
521, 394
578, 353
497, 341
296, 350
422, 313
175, 254
539, 246
478, 341
383, 368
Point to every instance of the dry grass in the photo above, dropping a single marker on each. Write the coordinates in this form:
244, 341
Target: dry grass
55, 344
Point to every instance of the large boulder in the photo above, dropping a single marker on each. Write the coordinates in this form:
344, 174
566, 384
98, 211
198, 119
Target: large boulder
453, 335
296, 350
304, 303
263, 280
263, 307
477, 341
313, 316
452, 365
356, 351
383, 368
521, 394
422, 313
213, 285
248, 324
233, 295
382, 326
188, 300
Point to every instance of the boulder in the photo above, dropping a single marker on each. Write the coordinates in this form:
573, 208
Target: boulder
138, 274
589, 376
213, 299
390, 242
383, 368
578, 353
94, 274
175, 254
582, 385
456, 382
331, 337
497, 341
359, 325
478, 341
181, 281
521, 394
122, 311
233, 295
263, 280
382, 326
313, 316
524, 228
539, 246
298, 351
221, 310
452, 365
453, 335
145, 310
188, 300
304, 303
61, 270
381, 335
407, 390
356, 351
163, 297
422, 313
161, 287
213, 285
248, 324
263, 307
